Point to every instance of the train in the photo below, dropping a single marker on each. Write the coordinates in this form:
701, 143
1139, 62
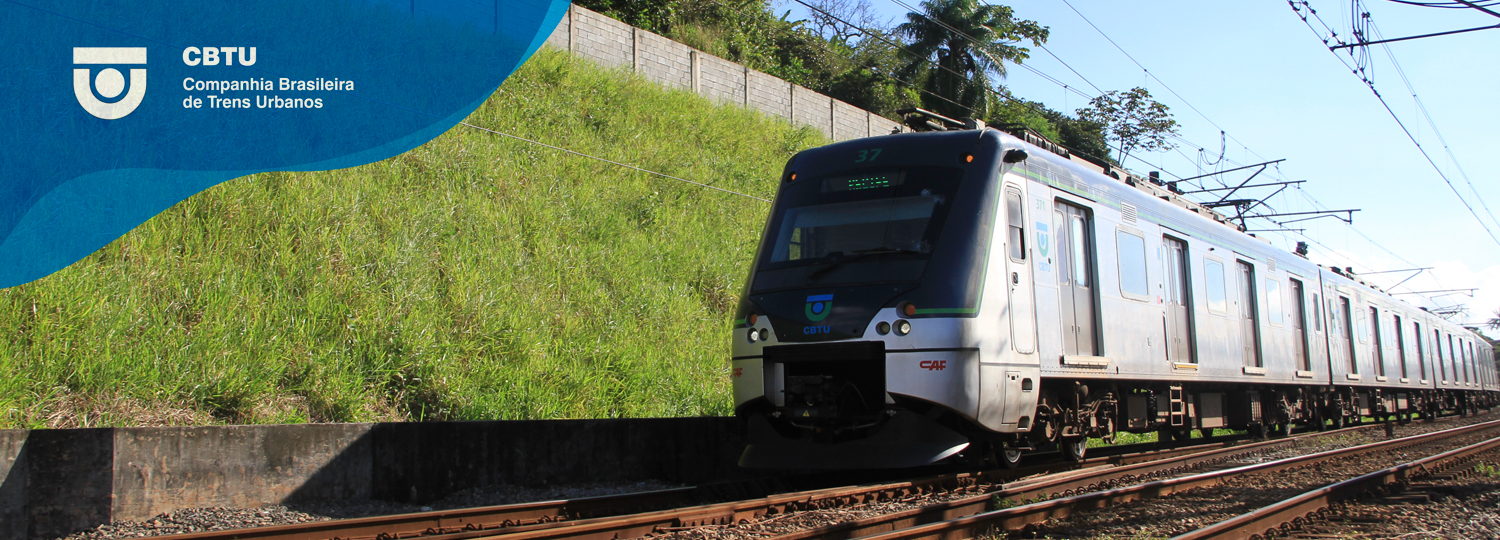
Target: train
962, 292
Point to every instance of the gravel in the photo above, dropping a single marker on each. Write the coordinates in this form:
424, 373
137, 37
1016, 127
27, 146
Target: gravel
1194, 509
191, 520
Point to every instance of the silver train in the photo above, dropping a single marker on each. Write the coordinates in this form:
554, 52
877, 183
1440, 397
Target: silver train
968, 292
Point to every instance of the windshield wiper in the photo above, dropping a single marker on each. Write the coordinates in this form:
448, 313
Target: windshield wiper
858, 254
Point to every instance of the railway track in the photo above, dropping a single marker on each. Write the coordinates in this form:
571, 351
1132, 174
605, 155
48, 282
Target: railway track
1257, 522
667, 511
1289, 517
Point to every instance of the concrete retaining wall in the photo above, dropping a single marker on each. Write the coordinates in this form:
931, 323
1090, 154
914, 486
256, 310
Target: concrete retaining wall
56, 482
611, 43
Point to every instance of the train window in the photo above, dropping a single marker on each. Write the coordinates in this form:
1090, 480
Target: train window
1379, 346
1437, 345
1317, 314
1132, 258
1452, 357
1273, 300
1364, 327
1062, 244
1400, 346
1017, 222
852, 229
1080, 253
1421, 351
1214, 277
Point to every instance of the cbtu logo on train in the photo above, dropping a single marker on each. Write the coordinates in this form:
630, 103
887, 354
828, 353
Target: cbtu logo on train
818, 307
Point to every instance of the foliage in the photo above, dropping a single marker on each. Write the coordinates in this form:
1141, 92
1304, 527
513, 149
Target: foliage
954, 47
1133, 120
474, 277
1487, 469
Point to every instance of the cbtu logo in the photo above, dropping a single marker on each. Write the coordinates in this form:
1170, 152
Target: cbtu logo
110, 83
816, 329
818, 307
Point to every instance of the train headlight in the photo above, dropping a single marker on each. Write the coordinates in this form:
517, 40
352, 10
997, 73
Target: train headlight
752, 336
903, 327
751, 319
765, 334
883, 328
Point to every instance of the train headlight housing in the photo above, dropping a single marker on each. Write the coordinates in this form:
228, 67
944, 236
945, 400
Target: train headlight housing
903, 327
764, 334
883, 328
752, 336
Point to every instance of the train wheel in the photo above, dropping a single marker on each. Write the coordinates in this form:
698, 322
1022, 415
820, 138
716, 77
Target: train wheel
1074, 448
1009, 457
1284, 429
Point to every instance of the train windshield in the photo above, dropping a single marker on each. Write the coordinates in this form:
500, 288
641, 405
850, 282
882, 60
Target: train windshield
856, 228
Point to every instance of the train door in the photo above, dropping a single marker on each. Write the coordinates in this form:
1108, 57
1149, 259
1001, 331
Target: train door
1249, 327
1075, 249
1318, 347
1401, 349
1022, 313
1299, 328
1179, 324
1346, 334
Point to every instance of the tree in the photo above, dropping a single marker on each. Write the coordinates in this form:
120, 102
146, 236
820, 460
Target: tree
842, 21
956, 45
1133, 120
1494, 323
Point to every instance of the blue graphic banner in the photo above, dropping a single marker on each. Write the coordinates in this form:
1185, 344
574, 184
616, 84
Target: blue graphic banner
115, 110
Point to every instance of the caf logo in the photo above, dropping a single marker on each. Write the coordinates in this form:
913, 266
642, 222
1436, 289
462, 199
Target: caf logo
109, 83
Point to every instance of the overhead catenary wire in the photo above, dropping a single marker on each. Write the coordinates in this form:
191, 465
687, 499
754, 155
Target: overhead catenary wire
1224, 135
1404, 129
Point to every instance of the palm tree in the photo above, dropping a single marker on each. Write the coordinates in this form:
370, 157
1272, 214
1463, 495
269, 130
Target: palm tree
956, 45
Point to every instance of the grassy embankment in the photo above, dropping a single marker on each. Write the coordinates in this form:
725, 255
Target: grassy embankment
475, 277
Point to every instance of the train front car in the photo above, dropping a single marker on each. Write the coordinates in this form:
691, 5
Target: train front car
859, 340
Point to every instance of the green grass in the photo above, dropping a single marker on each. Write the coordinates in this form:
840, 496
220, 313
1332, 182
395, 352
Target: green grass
475, 277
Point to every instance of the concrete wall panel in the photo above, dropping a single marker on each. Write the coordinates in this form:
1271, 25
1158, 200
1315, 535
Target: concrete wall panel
664, 61
768, 94
880, 125
605, 41
721, 80
849, 122
68, 480
810, 108
13, 468
164, 469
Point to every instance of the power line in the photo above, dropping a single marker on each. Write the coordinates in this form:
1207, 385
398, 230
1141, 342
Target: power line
1371, 85
1225, 135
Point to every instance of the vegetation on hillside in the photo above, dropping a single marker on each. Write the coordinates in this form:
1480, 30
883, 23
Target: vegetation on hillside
475, 277
845, 52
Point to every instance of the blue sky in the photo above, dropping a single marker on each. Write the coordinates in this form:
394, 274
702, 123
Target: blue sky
1258, 72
